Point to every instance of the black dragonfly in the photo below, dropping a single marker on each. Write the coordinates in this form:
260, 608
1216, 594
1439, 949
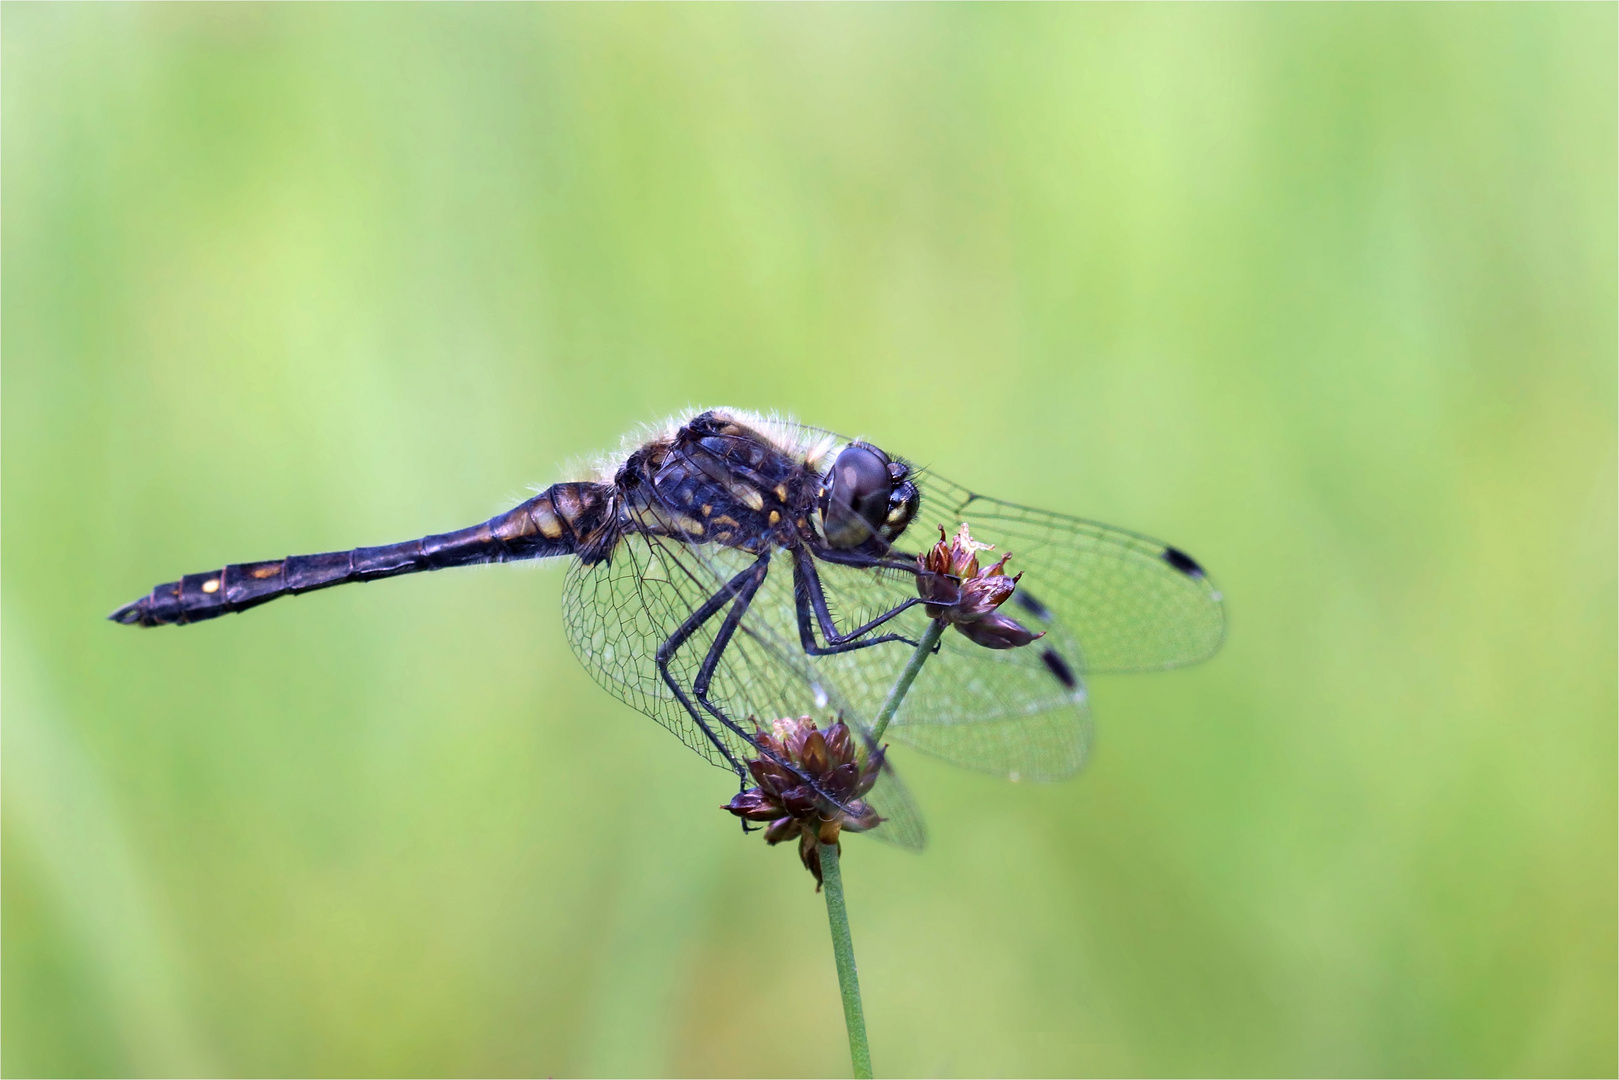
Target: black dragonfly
730, 568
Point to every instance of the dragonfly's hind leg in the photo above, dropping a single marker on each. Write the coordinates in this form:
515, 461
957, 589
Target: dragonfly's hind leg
722, 640
739, 593
744, 584
741, 789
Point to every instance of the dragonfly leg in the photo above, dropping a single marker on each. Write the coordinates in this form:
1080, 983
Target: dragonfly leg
739, 593
722, 640
705, 674
871, 562
809, 597
748, 581
727, 630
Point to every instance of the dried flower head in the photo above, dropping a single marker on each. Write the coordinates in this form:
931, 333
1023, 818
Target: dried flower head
811, 785
948, 578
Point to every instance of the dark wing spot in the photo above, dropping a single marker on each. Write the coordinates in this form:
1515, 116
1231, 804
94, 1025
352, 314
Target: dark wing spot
1183, 562
1032, 606
1059, 668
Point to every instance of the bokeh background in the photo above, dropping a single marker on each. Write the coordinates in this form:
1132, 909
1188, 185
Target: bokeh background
1325, 295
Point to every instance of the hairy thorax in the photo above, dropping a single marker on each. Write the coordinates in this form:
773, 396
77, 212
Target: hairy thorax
718, 481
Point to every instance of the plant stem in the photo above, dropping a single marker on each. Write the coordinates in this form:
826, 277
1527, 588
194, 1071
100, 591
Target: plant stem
854, 1018
924, 649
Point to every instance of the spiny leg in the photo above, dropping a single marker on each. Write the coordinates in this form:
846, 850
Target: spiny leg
716, 650
739, 591
733, 619
727, 594
865, 561
705, 673
809, 595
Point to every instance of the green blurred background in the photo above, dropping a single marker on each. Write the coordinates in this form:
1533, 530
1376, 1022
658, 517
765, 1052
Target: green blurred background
1325, 295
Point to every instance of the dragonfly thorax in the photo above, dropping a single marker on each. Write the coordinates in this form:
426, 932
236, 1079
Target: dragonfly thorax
717, 481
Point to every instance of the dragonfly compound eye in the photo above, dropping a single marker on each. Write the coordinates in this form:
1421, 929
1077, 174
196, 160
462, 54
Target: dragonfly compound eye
857, 494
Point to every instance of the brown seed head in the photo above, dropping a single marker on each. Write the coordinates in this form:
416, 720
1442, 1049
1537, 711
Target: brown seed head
810, 785
957, 591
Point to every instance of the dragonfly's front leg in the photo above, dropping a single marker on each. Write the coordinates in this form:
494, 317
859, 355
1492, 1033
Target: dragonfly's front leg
810, 597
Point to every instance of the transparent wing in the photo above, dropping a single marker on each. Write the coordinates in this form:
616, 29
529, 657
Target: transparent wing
1107, 600
1131, 602
1001, 711
618, 614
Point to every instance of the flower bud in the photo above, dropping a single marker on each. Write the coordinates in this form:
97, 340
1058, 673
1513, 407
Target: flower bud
955, 590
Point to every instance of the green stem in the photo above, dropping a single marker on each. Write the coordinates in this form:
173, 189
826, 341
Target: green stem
843, 950
924, 649
854, 1018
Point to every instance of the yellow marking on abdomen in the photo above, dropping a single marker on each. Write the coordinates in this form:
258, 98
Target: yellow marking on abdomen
515, 527
267, 571
549, 526
211, 585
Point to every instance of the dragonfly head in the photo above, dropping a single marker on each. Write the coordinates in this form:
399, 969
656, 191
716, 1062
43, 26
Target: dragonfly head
866, 495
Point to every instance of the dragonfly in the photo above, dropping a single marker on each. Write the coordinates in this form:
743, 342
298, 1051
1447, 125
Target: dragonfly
729, 567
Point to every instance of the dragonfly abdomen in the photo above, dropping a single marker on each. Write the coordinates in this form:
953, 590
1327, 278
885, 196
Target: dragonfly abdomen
561, 520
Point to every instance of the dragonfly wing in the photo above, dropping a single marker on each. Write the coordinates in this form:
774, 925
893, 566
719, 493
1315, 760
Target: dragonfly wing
618, 614
1107, 600
1132, 603
1001, 711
